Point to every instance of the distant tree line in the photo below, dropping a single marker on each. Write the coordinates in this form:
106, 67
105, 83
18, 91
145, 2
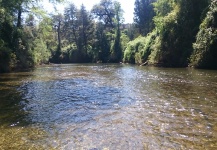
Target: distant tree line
169, 33
29, 36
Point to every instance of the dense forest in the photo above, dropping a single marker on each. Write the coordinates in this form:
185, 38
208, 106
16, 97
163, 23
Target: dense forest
168, 33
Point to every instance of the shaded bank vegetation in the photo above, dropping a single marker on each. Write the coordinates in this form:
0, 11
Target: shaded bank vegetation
170, 33
177, 39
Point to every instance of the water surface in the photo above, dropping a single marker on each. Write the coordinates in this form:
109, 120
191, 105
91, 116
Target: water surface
96, 107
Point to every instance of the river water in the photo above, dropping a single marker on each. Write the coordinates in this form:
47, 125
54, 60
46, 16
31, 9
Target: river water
108, 107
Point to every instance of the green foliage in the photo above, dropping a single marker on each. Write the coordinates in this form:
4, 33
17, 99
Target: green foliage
108, 33
169, 26
131, 31
205, 52
148, 47
139, 50
177, 27
163, 7
40, 52
78, 30
116, 49
105, 12
165, 13
124, 40
101, 45
23, 50
143, 16
17, 38
39, 39
5, 59
155, 53
133, 47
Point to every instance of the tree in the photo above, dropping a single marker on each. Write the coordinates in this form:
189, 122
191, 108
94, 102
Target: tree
58, 25
71, 24
177, 30
143, 15
109, 13
20, 39
85, 30
101, 44
105, 12
205, 53
78, 29
116, 49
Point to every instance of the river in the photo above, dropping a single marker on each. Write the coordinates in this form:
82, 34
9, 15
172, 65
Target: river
108, 107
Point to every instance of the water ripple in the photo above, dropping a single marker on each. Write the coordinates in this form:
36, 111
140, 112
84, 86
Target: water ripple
94, 106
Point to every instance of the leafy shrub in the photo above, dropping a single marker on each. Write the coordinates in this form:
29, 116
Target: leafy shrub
138, 50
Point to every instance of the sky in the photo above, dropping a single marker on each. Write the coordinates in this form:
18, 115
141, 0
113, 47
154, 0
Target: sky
127, 6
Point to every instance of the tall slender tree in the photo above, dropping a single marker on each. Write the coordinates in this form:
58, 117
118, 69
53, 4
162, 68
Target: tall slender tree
143, 16
58, 26
85, 29
116, 49
70, 24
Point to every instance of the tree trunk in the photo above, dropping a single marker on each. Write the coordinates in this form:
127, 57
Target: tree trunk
19, 19
59, 37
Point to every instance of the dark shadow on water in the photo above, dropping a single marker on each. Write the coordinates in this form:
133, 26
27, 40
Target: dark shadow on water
11, 110
55, 101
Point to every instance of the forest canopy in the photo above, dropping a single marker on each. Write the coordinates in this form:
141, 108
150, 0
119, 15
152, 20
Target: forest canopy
169, 33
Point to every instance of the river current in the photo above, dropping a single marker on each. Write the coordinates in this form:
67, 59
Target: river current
108, 107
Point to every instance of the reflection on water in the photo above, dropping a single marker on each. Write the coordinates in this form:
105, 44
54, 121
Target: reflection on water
98, 107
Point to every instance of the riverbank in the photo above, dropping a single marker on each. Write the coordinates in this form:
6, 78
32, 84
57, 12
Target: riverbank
21, 69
